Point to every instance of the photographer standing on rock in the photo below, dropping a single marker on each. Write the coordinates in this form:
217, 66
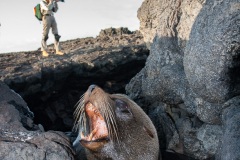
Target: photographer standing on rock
47, 9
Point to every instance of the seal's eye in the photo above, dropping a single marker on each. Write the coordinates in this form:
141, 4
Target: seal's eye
122, 106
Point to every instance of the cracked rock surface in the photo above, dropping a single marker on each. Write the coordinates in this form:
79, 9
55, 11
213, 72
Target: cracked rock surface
18, 142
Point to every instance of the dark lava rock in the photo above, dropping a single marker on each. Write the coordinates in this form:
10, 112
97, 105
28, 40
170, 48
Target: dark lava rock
212, 56
193, 69
20, 138
230, 141
52, 86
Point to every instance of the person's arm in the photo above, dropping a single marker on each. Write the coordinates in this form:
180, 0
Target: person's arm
47, 7
55, 6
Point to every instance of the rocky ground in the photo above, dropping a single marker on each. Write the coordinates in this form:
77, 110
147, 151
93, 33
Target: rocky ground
52, 86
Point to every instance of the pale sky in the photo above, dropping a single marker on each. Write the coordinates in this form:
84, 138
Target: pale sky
21, 31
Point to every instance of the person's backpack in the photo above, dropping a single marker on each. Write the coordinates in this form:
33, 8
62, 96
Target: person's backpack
37, 12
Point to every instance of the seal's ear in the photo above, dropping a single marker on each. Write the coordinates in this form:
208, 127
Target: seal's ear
148, 132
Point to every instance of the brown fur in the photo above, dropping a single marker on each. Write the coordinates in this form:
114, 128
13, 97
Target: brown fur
132, 136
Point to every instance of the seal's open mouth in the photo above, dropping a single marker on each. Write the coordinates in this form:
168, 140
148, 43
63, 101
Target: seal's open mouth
98, 135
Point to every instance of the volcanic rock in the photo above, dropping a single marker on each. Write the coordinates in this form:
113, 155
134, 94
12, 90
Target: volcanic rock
52, 86
193, 69
21, 139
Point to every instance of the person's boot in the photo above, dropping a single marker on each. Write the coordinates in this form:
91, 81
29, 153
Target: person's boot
59, 53
45, 54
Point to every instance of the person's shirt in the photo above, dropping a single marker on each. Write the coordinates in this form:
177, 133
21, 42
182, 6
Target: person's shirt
48, 8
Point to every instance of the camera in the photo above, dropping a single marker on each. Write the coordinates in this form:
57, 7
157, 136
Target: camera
59, 0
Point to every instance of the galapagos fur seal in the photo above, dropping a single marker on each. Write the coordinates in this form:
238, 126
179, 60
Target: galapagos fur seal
112, 126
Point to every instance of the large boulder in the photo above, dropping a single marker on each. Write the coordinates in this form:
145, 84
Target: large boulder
230, 140
193, 68
173, 18
166, 27
20, 138
211, 59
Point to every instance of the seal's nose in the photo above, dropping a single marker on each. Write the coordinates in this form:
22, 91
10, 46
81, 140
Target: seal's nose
91, 88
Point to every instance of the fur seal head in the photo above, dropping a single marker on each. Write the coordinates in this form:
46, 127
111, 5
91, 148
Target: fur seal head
111, 126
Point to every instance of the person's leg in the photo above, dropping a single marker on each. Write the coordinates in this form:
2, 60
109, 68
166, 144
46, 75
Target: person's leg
46, 28
56, 37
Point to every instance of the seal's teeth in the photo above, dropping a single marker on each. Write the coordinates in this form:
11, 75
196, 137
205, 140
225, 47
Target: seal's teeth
90, 137
94, 131
82, 136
